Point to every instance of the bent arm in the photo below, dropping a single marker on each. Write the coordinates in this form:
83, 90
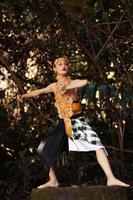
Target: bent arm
77, 84
34, 93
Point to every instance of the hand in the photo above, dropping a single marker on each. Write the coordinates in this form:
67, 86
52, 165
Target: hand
63, 89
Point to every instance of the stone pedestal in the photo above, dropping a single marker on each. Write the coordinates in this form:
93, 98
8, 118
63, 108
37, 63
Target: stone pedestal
81, 193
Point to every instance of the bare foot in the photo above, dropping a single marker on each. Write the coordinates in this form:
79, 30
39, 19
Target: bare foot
74, 186
49, 184
116, 182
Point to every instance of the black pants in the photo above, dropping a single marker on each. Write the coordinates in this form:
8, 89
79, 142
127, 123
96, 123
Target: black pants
53, 145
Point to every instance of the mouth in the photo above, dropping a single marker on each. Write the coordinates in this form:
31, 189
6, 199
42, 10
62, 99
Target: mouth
64, 69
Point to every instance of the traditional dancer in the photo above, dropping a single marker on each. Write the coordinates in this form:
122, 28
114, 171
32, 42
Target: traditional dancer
73, 129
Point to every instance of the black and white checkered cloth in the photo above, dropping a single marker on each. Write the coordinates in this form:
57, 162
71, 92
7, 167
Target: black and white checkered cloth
82, 131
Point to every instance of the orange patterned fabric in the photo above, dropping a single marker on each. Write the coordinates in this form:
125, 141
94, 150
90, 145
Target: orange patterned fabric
64, 103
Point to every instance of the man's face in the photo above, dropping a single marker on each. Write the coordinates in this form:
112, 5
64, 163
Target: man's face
62, 67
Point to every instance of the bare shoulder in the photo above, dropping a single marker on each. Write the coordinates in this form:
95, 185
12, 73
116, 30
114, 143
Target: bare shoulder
51, 85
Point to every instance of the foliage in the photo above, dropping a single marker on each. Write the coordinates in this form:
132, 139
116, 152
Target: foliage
96, 35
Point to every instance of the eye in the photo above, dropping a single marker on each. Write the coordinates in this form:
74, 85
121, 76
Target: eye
66, 63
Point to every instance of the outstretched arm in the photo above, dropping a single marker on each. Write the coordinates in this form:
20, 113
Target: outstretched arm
34, 93
77, 84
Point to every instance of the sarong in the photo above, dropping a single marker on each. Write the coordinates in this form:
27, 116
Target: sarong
84, 140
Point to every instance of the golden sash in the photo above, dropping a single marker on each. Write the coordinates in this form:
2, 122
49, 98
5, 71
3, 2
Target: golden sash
76, 108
